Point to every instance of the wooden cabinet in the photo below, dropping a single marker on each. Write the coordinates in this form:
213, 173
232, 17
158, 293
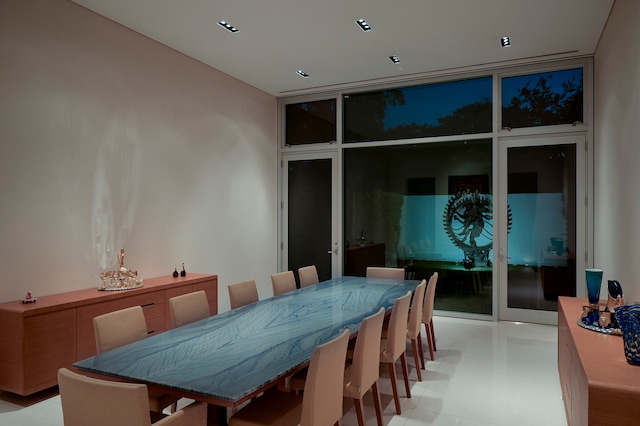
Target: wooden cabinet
359, 257
599, 387
37, 339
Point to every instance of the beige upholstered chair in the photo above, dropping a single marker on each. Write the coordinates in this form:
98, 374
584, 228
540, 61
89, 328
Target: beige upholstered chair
308, 276
393, 345
188, 308
95, 402
321, 403
427, 315
283, 282
242, 293
364, 371
415, 325
391, 273
120, 328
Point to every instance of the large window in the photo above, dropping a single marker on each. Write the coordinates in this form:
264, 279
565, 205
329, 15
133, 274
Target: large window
417, 173
441, 109
543, 99
416, 203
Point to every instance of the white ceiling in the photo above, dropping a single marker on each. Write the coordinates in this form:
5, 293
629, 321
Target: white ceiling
278, 37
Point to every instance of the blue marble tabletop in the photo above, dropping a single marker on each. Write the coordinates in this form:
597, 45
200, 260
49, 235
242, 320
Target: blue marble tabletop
226, 358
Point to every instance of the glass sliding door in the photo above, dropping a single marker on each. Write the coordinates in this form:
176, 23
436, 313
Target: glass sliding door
310, 213
543, 245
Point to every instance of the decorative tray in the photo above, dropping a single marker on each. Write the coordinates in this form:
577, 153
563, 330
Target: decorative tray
604, 330
124, 287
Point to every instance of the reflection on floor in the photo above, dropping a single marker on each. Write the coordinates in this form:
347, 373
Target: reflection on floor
484, 373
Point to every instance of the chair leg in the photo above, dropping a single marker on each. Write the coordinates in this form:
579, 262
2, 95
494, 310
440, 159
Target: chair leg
414, 349
405, 373
394, 387
359, 411
420, 349
433, 336
376, 402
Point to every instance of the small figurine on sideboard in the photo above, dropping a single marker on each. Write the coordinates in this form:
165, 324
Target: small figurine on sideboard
615, 295
614, 300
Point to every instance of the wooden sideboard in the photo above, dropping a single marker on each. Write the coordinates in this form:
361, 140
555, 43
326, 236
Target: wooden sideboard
359, 257
599, 386
36, 339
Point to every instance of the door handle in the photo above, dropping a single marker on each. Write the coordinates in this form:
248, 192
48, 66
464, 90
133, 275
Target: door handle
334, 251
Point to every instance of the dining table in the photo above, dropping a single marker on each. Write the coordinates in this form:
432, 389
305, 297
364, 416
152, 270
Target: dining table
229, 358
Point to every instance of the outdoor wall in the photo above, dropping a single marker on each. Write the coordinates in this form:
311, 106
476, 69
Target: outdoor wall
110, 140
617, 149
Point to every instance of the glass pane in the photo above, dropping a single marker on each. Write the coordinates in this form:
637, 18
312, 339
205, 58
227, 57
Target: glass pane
441, 109
310, 122
309, 213
429, 207
542, 239
542, 99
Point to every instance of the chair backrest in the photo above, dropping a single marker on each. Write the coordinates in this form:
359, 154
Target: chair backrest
416, 311
429, 299
308, 276
119, 328
397, 331
323, 389
283, 282
242, 293
391, 273
188, 308
365, 368
89, 401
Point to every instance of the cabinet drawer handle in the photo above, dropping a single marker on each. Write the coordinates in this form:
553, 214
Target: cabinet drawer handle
147, 304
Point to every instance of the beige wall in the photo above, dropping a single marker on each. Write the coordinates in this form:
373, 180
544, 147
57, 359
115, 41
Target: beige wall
110, 140
617, 149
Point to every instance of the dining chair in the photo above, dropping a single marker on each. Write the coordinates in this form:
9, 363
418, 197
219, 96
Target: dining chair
364, 371
308, 275
415, 325
321, 403
89, 401
391, 273
242, 293
427, 316
188, 308
283, 282
394, 344
119, 328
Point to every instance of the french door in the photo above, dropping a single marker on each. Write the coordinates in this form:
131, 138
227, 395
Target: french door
310, 213
542, 242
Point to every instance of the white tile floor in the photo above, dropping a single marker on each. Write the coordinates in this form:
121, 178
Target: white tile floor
485, 373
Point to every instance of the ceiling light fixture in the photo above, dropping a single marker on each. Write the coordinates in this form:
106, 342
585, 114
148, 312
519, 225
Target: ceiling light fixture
394, 59
302, 74
505, 42
227, 26
363, 24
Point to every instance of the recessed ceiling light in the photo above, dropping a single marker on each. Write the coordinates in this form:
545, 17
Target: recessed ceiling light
505, 41
394, 59
227, 26
302, 74
363, 24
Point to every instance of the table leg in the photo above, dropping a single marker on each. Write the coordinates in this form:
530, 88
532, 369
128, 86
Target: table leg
216, 415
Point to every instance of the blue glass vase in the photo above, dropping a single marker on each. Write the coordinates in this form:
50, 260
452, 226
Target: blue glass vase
594, 281
628, 317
